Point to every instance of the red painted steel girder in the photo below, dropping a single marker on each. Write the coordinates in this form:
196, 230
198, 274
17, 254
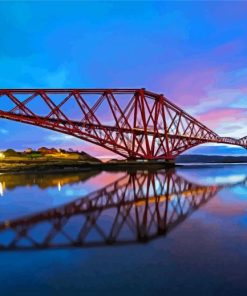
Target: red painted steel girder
134, 123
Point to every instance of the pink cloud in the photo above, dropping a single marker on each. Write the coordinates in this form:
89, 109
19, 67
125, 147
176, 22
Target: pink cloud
191, 81
221, 120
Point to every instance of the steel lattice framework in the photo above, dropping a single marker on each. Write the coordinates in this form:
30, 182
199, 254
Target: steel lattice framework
134, 123
137, 207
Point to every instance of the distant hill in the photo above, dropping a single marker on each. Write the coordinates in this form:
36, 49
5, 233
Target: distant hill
210, 159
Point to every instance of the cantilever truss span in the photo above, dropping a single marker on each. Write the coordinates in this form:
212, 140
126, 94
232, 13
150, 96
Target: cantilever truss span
134, 123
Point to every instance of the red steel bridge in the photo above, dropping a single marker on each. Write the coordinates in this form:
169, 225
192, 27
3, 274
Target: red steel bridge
133, 123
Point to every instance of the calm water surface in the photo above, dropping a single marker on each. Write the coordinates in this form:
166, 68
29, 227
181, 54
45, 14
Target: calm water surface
180, 232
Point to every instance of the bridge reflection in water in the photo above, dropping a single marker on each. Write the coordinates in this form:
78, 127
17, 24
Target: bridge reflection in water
138, 207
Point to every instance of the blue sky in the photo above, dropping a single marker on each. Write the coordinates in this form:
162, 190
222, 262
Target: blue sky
193, 52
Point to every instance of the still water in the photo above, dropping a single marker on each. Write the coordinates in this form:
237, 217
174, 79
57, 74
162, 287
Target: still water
175, 232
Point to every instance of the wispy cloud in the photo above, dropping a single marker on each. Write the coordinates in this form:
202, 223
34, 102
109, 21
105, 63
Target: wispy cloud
192, 52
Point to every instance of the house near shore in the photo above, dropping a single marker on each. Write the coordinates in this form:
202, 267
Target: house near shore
45, 150
28, 150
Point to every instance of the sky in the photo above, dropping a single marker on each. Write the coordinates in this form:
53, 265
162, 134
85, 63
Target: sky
193, 52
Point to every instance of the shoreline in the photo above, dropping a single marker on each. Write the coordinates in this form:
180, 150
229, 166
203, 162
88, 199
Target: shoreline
68, 167
78, 167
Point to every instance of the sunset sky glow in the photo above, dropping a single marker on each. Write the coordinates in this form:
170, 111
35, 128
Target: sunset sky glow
193, 52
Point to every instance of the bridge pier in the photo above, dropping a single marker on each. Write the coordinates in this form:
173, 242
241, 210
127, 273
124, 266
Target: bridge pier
150, 162
170, 162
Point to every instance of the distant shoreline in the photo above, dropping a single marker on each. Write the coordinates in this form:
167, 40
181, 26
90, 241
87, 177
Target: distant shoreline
51, 160
79, 166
